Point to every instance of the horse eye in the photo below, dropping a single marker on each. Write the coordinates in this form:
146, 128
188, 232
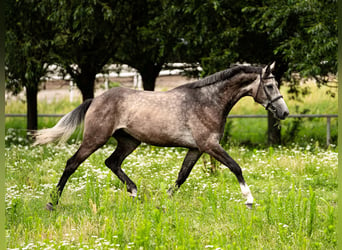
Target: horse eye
270, 87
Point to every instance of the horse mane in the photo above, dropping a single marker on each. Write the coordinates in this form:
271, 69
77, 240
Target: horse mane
223, 75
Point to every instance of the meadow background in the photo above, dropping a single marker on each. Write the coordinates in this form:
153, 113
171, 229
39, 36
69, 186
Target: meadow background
294, 186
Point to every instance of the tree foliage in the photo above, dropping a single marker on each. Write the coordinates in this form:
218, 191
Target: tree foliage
302, 38
29, 39
304, 34
144, 44
88, 35
204, 30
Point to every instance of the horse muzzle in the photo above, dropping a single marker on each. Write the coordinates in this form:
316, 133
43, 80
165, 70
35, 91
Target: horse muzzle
278, 107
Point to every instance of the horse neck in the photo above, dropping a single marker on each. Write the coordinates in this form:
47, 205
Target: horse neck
227, 93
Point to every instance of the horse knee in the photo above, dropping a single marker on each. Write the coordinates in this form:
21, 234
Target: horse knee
112, 165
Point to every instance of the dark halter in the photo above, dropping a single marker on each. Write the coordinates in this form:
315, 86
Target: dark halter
270, 101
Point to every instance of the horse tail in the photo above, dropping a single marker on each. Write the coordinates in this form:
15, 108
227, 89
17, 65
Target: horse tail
65, 126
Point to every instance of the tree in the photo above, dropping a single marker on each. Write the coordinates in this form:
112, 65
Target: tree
28, 42
139, 47
162, 32
204, 32
147, 44
306, 34
302, 36
89, 33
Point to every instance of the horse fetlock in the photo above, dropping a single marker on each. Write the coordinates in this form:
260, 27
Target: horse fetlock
172, 190
49, 206
132, 189
55, 195
246, 192
249, 205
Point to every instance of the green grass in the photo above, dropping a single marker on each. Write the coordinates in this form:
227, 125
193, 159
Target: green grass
295, 189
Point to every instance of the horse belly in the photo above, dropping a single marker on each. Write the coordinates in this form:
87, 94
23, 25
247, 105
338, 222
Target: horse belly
156, 118
163, 139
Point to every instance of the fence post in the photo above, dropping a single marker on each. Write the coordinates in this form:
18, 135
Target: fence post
106, 82
71, 91
137, 82
328, 131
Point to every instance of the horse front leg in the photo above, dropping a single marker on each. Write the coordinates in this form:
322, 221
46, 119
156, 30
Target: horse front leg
189, 161
222, 156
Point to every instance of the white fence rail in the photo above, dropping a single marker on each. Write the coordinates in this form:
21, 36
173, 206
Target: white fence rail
326, 116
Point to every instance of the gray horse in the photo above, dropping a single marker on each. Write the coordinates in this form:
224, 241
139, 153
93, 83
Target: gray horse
191, 116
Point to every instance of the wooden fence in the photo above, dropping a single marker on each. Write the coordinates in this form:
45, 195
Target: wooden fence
326, 116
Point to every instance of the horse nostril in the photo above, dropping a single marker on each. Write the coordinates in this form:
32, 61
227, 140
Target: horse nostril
286, 113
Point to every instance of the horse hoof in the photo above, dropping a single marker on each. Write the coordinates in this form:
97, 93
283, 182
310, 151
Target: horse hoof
172, 190
133, 194
49, 207
249, 205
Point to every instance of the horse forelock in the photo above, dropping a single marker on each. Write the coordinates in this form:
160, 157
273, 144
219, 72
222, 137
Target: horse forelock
224, 75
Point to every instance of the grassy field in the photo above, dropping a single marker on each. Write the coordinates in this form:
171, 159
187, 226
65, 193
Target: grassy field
295, 190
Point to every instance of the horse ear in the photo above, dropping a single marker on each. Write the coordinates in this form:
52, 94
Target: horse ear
272, 66
268, 69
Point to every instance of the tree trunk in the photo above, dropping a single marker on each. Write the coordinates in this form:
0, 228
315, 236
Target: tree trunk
87, 91
274, 136
149, 83
32, 108
86, 82
149, 75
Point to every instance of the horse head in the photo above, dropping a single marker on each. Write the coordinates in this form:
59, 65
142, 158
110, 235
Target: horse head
268, 95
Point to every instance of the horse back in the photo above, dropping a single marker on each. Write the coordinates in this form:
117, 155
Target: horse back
158, 118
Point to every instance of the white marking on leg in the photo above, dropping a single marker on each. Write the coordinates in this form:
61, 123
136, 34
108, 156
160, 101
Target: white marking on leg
246, 193
134, 193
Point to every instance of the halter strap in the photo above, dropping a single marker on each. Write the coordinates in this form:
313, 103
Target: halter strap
273, 100
269, 99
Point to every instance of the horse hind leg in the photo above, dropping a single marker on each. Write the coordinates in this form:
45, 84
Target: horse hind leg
126, 145
86, 149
